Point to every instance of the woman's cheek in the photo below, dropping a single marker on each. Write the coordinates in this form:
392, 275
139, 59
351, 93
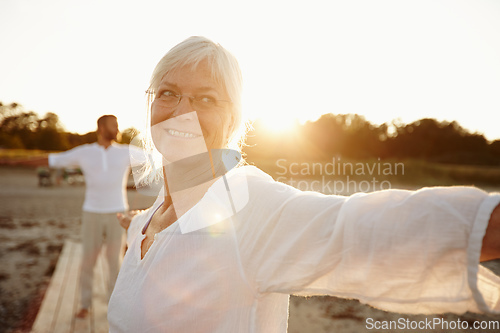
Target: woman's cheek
156, 137
158, 113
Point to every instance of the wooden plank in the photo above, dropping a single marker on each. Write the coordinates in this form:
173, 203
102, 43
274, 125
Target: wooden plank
62, 299
66, 313
47, 315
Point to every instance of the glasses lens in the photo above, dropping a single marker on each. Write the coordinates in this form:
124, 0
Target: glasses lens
199, 103
169, 100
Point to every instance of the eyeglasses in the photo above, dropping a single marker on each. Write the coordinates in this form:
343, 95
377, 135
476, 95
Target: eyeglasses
170, 99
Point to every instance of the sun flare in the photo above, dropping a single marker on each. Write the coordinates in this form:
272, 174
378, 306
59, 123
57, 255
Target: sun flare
278, 125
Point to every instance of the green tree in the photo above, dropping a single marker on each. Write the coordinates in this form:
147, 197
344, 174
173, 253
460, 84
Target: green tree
21, 129
50, 133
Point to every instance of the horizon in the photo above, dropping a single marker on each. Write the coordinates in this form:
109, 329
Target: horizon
265, 126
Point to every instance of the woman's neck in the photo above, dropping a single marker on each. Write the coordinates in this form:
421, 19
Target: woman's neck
186, 184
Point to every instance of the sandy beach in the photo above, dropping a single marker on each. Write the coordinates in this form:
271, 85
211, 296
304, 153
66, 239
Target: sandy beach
35, 221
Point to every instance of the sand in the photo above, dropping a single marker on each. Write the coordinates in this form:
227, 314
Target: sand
35, 221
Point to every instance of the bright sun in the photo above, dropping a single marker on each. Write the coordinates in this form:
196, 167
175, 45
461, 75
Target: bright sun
278, 125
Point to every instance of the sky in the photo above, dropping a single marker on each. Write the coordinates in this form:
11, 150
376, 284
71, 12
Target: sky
384, 60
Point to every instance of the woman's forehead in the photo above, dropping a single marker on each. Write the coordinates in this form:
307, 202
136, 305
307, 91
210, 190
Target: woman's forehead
198, 76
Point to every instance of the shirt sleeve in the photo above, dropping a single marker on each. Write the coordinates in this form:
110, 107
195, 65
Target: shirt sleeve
402, 251
67, 159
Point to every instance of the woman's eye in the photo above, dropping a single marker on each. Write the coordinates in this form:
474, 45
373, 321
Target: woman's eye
167, 93
207, 99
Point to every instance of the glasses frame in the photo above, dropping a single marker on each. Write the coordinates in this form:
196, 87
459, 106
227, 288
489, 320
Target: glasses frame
192, 99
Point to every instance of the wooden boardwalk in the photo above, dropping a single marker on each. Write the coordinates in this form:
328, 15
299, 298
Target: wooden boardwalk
61, 301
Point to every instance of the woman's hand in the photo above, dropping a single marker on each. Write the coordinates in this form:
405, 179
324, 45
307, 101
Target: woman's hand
491, 240
126, 218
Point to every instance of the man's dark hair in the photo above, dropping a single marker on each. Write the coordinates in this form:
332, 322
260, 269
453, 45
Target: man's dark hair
102, 120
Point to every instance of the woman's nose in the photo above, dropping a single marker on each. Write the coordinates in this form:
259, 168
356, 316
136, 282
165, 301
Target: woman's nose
184, 107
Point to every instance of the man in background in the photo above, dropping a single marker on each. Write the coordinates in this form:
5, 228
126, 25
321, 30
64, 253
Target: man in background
106, 166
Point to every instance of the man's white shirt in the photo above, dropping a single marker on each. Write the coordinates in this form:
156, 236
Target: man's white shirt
106, 172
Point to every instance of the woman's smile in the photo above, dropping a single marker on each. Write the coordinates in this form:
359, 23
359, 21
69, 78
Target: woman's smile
182, 134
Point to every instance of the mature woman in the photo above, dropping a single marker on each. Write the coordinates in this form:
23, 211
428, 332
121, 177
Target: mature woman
224, 253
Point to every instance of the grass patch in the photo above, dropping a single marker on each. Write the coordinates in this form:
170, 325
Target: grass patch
408, 172
22, 153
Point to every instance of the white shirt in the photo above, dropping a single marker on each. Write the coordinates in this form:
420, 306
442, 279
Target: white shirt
402, 251
106, 171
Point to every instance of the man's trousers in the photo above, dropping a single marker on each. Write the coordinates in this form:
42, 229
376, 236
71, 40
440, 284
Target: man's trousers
99, 229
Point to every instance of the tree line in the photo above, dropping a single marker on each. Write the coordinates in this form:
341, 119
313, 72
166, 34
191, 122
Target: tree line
21, 129
352, 136
332, 135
